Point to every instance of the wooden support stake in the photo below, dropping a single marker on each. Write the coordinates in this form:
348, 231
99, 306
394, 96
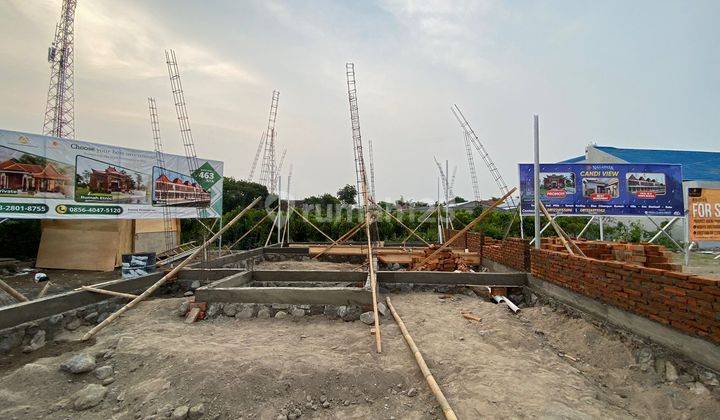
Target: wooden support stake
253, 228
418, 226
571, 247
169, 275
349, 234
462, 231
12, 292
107, 292
432, 383
44, 290
412, 232
313, 225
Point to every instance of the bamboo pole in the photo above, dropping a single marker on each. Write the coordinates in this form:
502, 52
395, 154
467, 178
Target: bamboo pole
418, 226
349, 234
169, 275
12, 292
44, 290
267, 241
253, 228
312, 224
403, 225
432, 383
462, 231
108, 292
571, 247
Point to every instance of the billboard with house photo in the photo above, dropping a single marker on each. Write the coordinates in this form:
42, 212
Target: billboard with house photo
616, 189
55, 178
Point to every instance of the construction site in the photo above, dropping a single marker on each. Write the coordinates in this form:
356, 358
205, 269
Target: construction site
155, 294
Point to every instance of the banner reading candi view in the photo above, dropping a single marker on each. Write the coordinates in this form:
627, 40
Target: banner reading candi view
52, 178
614, 189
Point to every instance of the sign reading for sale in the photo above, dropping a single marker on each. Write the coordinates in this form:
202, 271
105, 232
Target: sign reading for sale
704, 214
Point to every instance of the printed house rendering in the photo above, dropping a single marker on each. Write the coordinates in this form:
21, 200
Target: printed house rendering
32, 178
178, 192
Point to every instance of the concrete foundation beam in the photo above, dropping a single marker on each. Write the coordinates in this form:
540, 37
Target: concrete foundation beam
290, 295
20, 313
450, 278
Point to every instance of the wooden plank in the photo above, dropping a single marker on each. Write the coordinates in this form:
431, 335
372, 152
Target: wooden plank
289, 295
74, 250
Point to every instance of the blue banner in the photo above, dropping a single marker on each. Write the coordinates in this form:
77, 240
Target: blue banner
614, 189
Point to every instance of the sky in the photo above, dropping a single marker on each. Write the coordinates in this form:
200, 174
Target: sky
642, 74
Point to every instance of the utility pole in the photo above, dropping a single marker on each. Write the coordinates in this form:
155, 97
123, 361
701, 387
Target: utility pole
536, 188
60, 106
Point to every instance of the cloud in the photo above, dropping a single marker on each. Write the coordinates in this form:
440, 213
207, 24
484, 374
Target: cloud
127, 45
453, 33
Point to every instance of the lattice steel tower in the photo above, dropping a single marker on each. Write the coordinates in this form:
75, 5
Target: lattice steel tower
268, 170
181, 110
160, 162
60, 106
475, 140
360, 175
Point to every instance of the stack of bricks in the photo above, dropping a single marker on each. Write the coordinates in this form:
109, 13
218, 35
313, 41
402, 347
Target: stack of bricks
445, 260
645, 255
683, 301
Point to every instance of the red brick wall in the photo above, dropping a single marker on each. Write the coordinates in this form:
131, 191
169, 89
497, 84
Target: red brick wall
686, 302
646, 255
513, 252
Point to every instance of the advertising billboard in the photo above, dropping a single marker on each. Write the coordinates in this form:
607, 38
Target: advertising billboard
704, 214
52, 178
605, 189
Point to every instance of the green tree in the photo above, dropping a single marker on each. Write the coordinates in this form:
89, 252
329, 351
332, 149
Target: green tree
239, 193
347, 194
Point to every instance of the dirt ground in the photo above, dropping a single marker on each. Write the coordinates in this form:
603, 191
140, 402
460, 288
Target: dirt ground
62, 281
506, 366
700, 264
308, 265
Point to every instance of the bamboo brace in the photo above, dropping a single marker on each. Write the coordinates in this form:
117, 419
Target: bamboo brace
169, 275
432, 383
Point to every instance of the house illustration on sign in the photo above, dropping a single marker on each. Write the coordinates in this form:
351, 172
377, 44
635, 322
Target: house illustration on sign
29, 177
110, 180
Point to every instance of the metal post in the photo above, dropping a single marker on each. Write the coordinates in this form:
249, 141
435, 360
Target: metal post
602, 231
280, 219
587, 225
522, 230
220, 237
439, 223
536, 189
447, 195
687, 240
